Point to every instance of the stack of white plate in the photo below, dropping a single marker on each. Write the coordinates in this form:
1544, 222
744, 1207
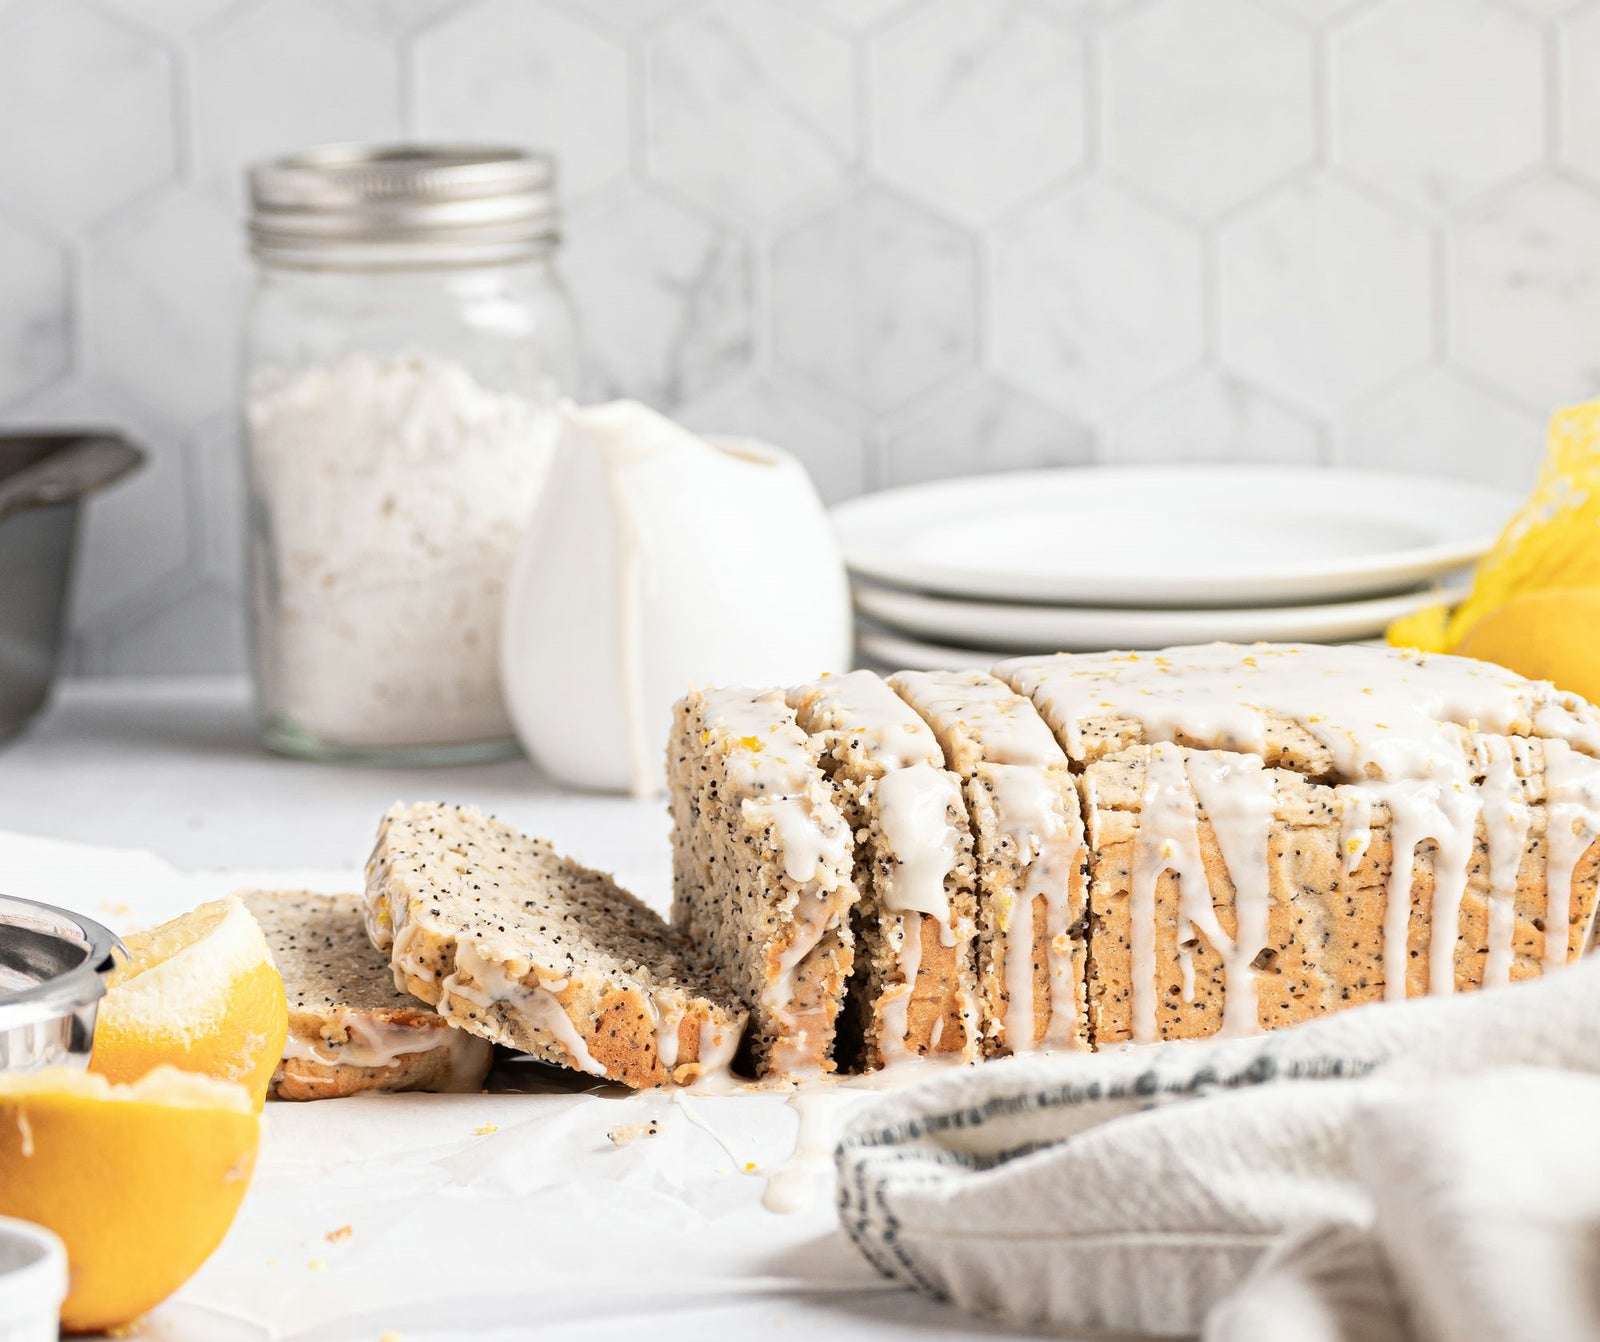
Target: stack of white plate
963, 572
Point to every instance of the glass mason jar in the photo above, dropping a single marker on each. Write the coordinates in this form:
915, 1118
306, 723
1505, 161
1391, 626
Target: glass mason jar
405, 347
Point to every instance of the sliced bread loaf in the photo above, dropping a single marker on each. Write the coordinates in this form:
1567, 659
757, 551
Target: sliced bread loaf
762, 863
1032, 859
519, 945
915, 922
350, 1028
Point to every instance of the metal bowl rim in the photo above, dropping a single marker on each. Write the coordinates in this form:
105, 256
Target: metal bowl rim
82, 985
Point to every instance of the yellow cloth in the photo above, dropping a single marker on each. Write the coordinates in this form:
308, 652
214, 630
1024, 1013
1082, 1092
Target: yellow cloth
1553, 541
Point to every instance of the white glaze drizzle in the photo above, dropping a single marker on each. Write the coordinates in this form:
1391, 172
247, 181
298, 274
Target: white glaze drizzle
1421, 810
1355, 824
1507, 819
718, 1044
1240, 798
666, 1021
1019, 754
791, 1185
537, 1003
914, 797
369, 1042
914, 806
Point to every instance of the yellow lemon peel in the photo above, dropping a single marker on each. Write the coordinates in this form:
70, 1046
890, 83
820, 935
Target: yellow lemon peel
140, 1181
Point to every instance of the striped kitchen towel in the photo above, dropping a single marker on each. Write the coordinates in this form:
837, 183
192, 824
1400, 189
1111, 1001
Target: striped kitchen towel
1426, 1170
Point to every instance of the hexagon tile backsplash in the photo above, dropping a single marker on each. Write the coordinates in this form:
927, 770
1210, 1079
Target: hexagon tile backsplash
902, 238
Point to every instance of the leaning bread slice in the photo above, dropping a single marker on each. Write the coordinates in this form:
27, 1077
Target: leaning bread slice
762, 864
1033, 864
521, 946
350, 1028
915, 923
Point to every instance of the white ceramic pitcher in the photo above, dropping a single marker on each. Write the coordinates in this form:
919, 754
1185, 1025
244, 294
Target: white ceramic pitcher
657, 560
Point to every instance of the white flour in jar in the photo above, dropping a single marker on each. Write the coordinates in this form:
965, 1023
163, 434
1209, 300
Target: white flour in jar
390, 495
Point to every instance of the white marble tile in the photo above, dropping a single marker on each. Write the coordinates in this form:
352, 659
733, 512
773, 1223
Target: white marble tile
394, 18
751, 107
196, 628
664, 298
1580, 94
1097, 298
87, 111
833, 453
1549, 9
34, 314
875, 299
528, 74
283, 74
858, 15
173, 16
1321, 12
1525, 293
1324, 294
162, 298
135, 535
626, 15
1438, 423
1213, 416
1436, 100
975, 107
215, 463
1206, 101
984, 425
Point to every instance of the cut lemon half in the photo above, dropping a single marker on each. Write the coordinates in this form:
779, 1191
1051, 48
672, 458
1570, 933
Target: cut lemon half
141, 1182
200, 993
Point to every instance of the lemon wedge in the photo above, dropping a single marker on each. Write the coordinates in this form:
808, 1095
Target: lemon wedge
199, 993
141, 1182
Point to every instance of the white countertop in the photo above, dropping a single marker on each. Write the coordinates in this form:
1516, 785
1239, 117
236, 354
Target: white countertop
172, 767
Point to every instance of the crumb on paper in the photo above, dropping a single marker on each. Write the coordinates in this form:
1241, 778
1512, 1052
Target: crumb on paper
315, 1265
115, 908
483, 1130
750, 1167
627, 1133
340, 1235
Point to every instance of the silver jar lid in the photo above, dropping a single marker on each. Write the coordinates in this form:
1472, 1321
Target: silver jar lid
367, 205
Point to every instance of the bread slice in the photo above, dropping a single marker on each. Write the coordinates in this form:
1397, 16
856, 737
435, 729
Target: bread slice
762, 864
915, 922
1032, 858
350, 1029
521, 946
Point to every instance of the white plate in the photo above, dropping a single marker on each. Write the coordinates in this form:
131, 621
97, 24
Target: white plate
1090, 628
1210, 535
892, 652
